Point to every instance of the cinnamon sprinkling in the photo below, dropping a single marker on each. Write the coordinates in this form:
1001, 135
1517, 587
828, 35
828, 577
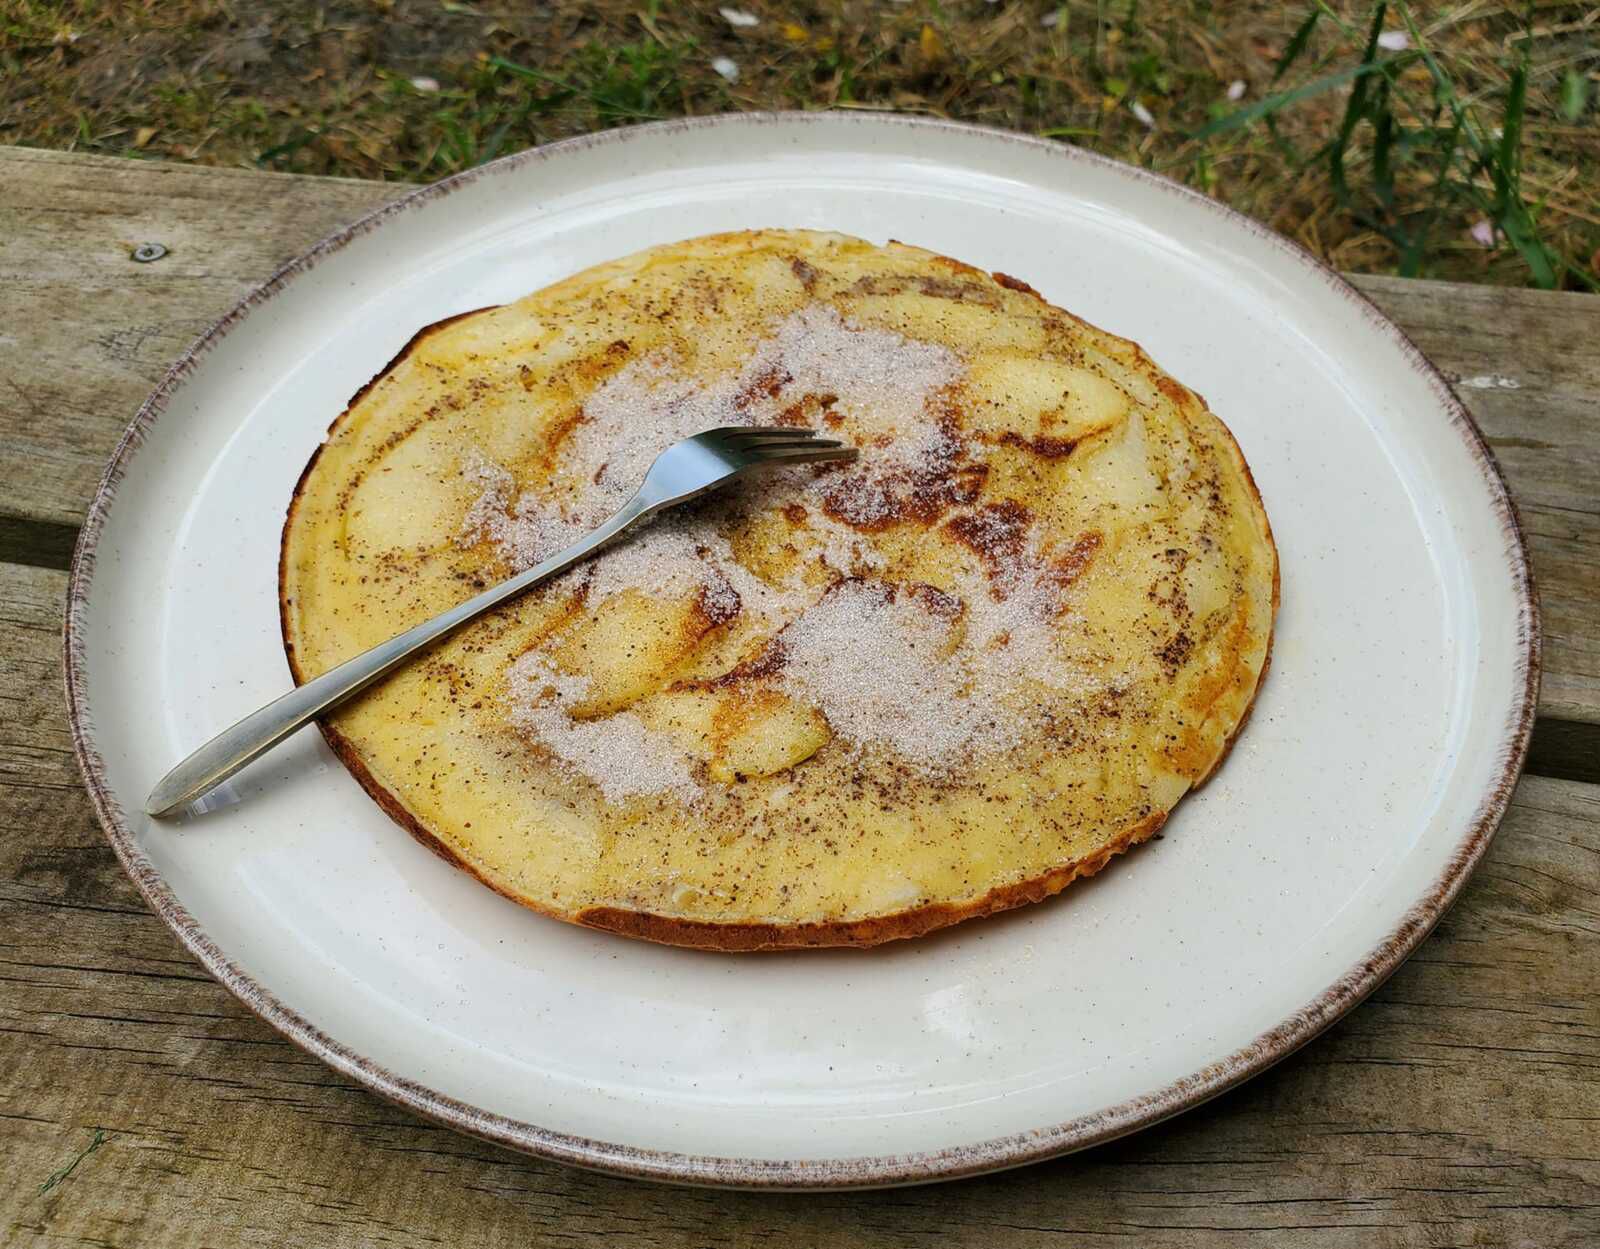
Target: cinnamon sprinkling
996, 532
1042, 445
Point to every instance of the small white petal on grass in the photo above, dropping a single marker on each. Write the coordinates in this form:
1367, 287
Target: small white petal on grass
1482, 233
1052, 18
1236, 89
1143, 114
727, 67
738, 17
1394, 41
425, 84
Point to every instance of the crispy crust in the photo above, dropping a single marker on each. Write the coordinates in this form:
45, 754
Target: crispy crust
863, 932
749, 937
757, 937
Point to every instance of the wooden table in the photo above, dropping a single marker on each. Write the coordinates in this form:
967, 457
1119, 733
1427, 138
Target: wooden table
1460, 1105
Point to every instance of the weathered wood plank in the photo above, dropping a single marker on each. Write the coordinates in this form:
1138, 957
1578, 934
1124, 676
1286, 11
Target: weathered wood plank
1460, 1105
85, 333
35, 745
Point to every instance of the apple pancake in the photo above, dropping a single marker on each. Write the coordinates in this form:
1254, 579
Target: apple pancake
835, 705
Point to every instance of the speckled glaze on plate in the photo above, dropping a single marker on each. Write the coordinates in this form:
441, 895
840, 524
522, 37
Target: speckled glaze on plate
1380, 757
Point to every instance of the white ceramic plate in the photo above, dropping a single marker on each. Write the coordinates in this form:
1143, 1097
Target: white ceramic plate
1380, 757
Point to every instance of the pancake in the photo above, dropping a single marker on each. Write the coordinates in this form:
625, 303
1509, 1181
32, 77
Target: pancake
832, 705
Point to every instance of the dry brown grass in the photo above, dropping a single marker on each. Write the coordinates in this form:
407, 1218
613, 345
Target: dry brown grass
343, 88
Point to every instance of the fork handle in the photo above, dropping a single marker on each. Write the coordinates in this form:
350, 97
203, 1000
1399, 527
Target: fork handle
260, 731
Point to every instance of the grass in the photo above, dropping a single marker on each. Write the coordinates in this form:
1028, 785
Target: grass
1457, 140
58, 1177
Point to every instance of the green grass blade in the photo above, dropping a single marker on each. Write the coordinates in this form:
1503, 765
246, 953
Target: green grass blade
1499, 162
1383, 135
1356, 108
1283, 99
1297, 44
1574, 94
525, 71
1511, 127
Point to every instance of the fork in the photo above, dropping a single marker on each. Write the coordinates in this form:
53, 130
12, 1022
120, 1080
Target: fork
685, 470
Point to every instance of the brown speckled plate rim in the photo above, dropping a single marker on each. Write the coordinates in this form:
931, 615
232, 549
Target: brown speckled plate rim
810, 1173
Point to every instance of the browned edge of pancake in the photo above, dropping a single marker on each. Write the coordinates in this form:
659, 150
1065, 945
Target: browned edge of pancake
917, 922
746, 937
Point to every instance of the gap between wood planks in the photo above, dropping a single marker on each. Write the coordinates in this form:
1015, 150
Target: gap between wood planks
36, 543
1567, 750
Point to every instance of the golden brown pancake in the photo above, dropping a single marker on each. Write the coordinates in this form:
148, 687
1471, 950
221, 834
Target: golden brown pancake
835, 706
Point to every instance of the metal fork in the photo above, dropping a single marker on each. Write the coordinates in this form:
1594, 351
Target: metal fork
684, 471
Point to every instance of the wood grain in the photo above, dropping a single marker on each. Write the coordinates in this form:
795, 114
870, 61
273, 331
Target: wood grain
1460, 1105
85, 332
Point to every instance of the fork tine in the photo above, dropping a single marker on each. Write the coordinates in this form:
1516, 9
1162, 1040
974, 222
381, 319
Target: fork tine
801, 453
752, 444
758, 433
773, 448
